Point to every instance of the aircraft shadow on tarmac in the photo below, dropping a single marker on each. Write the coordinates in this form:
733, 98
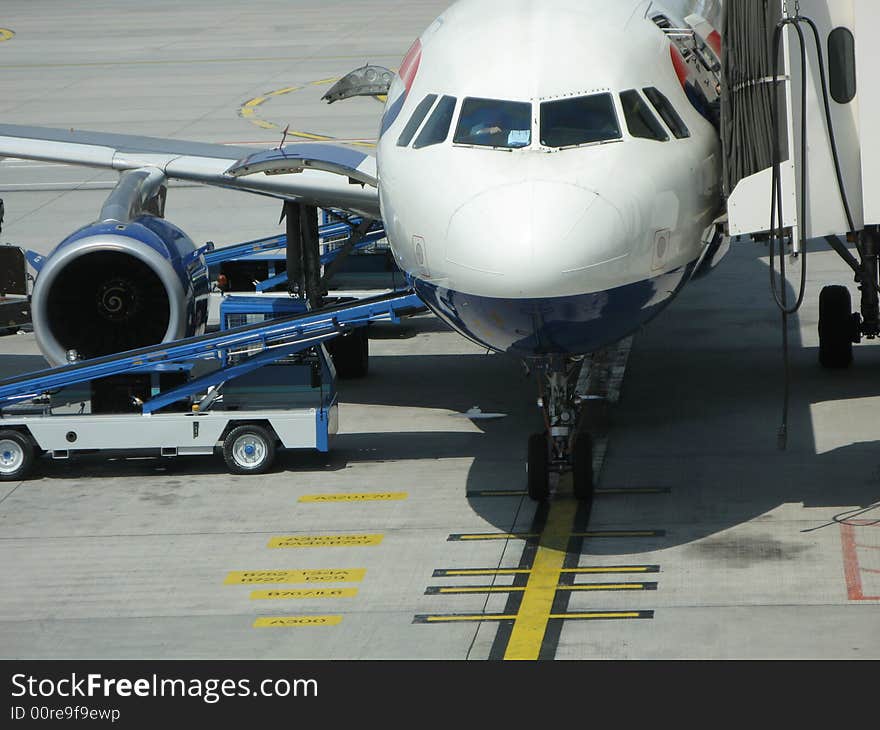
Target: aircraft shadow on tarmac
699, 414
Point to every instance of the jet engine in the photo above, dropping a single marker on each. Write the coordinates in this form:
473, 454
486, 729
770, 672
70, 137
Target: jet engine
128, 280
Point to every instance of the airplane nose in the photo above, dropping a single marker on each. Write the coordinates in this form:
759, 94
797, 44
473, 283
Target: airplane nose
528, 233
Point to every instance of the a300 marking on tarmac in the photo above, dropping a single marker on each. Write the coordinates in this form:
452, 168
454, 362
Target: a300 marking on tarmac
268, 622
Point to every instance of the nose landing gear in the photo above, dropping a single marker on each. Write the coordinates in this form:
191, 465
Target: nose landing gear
565, 446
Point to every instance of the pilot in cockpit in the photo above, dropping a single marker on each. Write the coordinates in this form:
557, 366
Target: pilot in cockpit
493, 126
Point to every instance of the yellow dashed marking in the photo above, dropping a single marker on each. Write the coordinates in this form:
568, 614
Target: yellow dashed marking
377, 497
454, 590
249, 109
296, 621
304, 593
526, 571
6, 34
327, 575
307, 541
480, 617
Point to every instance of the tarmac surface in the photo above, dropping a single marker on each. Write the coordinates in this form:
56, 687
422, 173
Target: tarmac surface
412, 538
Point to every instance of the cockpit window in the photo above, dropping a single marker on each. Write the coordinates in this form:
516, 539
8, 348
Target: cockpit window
415, 121
640, 121
584, 120
494, 123
436, 130
667, 111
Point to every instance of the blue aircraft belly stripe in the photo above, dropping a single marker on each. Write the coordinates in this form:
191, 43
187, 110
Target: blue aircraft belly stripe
570, 325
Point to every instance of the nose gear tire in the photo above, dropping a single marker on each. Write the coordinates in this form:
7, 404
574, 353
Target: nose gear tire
538, 468
836, 327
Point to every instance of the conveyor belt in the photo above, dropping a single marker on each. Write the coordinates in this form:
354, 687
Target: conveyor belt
306, 328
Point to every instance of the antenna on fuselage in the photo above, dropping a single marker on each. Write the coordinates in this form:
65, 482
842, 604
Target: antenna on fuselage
284, 136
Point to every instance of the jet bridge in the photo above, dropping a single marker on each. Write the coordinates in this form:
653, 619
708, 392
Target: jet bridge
802, 157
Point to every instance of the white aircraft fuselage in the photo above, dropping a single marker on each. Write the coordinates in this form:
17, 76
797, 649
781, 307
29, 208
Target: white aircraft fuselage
536, 209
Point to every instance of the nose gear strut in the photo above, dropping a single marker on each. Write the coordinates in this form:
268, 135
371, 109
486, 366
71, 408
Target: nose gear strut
564, 446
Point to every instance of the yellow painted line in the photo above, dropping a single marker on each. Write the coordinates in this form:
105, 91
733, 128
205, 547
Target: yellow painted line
480, 617
528, 630
307, 541
619, 614
476, 617
254, 103
301, 593
248, 111
281, 92
520, 589
296, 621
526, 571
6, 34
480, 589
604, 587
326, 575
374, 497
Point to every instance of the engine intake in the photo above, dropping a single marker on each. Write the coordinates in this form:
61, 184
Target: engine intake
117, 285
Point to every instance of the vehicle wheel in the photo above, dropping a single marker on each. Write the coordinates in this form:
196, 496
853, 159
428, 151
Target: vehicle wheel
582, 468
351, 354
16, 456
837, 328
538, 468
249, 450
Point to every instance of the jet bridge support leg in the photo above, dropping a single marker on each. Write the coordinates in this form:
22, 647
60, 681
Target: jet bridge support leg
563, 447
870, 279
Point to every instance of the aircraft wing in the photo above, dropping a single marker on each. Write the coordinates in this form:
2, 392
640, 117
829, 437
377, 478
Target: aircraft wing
326, 175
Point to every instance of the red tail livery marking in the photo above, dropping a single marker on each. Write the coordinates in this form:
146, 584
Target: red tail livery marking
714, 41
410, 66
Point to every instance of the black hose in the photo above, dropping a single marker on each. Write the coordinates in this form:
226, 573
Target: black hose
776, 185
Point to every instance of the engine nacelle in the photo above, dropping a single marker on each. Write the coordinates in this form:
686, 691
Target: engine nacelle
130, 280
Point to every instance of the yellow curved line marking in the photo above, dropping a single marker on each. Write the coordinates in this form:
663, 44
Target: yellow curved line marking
249, 109
6, 34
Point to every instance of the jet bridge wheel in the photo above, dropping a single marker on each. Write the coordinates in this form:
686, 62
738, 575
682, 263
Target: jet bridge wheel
249, 449
351, 354
582, 467
538, 468
16, 456
838, 327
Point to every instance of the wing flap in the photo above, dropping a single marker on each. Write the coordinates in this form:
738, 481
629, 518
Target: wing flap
324, 181
297, 158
